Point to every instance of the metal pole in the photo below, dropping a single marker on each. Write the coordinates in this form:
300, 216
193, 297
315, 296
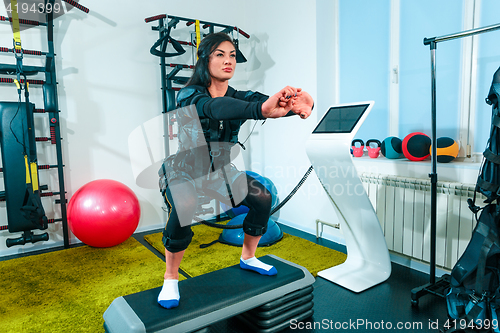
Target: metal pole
163, 75
50, 74
439, 287
433, 175
466, 33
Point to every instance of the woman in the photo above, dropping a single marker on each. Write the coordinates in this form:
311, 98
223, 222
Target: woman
221, 111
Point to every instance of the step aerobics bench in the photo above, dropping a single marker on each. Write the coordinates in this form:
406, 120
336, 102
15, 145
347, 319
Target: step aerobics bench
268, 302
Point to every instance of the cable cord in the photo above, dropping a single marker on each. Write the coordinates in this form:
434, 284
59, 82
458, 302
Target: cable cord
248, 137
12, 130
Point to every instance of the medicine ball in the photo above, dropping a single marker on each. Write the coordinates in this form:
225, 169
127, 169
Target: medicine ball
392, 147
416, 146
447, 149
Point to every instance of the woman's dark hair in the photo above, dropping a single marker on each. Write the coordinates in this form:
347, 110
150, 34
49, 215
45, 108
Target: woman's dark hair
201, 75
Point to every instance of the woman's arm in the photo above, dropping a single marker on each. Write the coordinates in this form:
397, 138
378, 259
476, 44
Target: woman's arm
220, 108
253, 105
286, 100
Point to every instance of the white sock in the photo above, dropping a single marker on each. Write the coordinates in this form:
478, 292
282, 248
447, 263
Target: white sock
254, 262
169, 295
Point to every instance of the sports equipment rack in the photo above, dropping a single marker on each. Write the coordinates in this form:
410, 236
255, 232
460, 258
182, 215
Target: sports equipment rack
22, 191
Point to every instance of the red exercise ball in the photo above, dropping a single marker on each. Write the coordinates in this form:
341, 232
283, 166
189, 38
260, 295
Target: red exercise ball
416, 146
103, 213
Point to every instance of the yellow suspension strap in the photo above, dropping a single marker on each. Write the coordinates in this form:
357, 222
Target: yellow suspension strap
15, 25
31, 173
18, 49
32, 208
18, 53
198, 36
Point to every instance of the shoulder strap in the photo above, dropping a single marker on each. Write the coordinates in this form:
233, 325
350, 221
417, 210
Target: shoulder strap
190, 95
185, 93
492, 157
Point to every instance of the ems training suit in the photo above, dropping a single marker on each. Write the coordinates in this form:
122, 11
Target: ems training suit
191, 172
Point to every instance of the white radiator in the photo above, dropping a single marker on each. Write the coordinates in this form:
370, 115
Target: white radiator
403, 206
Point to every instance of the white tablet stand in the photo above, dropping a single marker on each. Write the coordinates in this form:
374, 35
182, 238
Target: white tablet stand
328, 148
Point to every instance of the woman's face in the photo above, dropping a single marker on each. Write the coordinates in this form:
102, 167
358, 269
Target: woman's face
222, 62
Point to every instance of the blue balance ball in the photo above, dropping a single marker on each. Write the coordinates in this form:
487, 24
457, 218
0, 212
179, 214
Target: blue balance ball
235, 236
242, 209
268, 184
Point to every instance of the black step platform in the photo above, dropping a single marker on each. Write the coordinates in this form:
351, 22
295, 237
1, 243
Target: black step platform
279, 314
216, 296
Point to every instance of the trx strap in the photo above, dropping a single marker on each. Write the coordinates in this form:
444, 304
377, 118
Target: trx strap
31, 173
15, 26
198, 36
18, 50
32, 208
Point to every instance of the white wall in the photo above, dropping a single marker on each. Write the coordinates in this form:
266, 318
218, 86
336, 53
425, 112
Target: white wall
288, 57
109, 85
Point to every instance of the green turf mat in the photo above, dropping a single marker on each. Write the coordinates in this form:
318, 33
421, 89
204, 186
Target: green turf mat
69, 290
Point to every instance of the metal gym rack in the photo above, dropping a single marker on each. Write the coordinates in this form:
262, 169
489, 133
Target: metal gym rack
22, 191
438, 287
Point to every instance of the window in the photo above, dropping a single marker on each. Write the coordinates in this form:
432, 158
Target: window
381, 57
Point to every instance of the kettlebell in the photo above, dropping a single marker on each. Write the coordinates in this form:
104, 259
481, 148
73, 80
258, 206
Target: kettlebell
373, 152
357, 151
